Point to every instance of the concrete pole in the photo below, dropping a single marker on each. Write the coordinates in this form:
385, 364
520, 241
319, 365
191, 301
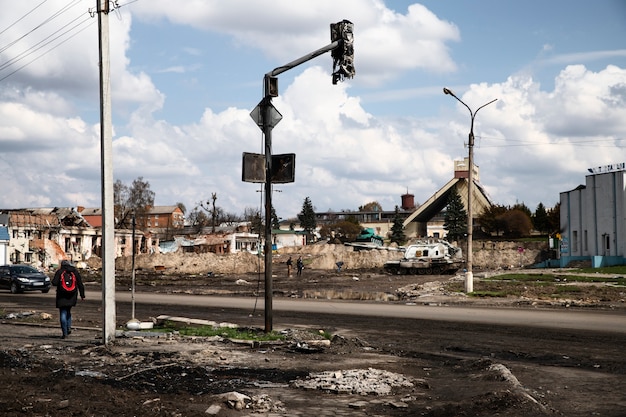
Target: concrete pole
267, 133
106, 144
469, 276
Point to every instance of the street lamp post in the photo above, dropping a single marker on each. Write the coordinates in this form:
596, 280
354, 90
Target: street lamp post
469, 276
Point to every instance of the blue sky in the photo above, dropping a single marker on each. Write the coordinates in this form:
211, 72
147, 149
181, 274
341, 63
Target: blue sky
185, 78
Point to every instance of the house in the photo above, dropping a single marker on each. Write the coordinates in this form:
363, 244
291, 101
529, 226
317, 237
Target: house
164, 217
417, 224
44, 236
593, 218
425, 220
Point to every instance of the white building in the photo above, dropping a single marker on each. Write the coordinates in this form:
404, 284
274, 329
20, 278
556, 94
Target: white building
593, 218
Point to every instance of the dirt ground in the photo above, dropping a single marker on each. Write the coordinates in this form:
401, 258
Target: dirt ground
448, 369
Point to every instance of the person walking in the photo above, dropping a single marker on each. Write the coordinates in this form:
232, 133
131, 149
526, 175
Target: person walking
299, 266
69, 285
289, 264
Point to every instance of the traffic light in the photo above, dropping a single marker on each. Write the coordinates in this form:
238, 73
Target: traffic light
343, 54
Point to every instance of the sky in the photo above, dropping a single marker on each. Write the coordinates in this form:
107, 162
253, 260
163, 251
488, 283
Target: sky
186, 75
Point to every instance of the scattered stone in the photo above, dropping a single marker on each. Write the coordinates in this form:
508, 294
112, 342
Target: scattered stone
236, 400
213, 410
356, 381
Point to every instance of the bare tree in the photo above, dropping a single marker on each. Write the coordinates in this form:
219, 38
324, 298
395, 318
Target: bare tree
137, 198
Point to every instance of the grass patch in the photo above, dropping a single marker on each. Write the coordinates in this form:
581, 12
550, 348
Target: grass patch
538, 278
225, 332
489, 294
617, 270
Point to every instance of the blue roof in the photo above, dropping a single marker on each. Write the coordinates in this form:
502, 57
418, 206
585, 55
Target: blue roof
4, 234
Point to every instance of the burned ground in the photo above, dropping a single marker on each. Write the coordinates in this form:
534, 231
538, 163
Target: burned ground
455, 369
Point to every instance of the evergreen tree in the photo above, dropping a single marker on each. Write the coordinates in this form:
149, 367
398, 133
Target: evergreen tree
554, 219
540, 219
307, 218
397, 229
455, 219
275, 220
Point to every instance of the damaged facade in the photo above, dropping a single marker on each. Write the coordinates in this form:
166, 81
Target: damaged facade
43, 237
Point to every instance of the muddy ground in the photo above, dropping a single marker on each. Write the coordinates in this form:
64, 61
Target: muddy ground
451, 369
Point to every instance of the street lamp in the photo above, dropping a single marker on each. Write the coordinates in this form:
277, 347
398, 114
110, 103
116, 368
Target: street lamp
469, 276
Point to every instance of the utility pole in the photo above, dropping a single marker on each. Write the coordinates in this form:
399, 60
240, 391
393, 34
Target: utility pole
106, 165
266, 116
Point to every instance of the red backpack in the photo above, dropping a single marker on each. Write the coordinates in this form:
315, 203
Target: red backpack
68, 281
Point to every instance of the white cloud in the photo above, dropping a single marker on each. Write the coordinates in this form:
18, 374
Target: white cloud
530, 145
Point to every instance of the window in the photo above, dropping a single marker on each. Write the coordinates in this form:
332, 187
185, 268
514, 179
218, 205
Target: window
575, 241
585, 245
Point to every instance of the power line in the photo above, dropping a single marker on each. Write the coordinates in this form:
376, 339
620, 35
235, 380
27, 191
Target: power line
43, 43
21, 18
40, 25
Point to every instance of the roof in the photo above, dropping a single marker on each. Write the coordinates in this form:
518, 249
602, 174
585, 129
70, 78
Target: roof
164, 209
439, 201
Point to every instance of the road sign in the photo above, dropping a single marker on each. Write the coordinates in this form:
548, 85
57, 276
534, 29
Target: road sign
257, 115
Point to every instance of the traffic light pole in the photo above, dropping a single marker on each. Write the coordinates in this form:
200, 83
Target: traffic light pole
341, 37
301, 60
267, 133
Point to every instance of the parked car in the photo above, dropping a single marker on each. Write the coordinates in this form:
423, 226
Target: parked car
20, 278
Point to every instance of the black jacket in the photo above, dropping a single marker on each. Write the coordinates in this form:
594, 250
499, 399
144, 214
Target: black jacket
65, 299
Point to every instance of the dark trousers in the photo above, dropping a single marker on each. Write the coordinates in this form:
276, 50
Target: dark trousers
65, 315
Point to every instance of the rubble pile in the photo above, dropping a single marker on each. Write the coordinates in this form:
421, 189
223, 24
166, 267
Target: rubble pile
358, 381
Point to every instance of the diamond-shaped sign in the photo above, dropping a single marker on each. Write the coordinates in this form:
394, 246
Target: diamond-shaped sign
257, 115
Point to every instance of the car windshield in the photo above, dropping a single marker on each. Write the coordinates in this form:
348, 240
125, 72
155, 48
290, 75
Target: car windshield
23, 269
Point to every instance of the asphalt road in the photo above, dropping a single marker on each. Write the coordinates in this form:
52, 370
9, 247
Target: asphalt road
542, 318
149, 304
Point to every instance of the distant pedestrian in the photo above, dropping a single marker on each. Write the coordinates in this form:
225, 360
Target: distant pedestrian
300, 266
69, 285
289, 264
339, 265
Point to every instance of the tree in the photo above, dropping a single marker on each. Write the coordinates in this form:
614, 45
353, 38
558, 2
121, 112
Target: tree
371, 206
253, 215
397, 229
540, 219
198, 218
455, 218
523, 208
517, 223
275, 220
212, 210
120, 202
343, 230
182, 207
307, 218
490, 219
554, 219
137, 198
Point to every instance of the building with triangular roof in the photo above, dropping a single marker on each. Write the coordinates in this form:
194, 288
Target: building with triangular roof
416, 224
